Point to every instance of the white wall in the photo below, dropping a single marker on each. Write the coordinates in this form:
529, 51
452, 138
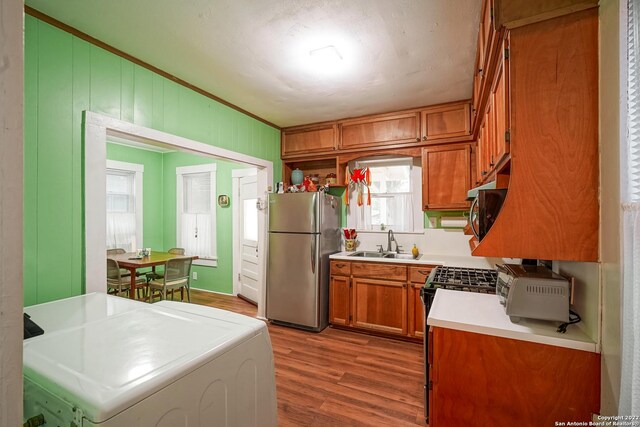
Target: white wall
610, 115
11, 95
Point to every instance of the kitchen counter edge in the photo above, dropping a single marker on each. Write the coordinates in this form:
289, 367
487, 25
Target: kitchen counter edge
427, 259
483, 314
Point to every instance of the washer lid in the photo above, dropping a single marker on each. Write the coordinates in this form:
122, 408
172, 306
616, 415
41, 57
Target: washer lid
104, 354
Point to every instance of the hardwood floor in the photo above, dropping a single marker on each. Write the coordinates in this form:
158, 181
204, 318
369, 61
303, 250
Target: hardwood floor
339, 378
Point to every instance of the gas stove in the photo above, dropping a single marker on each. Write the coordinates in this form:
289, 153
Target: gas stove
464, 279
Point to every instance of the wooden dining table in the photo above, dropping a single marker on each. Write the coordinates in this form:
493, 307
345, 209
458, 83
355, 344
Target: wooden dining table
130, 261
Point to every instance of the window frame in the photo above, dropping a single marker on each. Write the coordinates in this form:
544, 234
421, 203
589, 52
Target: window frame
186, 170
138, 185
415, 190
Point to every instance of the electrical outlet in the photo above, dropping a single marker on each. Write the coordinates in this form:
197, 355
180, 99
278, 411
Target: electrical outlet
195, 275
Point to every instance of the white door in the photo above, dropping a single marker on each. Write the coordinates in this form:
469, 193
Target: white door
248, 235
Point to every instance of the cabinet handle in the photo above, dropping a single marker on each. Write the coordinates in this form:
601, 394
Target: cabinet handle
484, 173
340, 265
425, 272
424, 138
418, 139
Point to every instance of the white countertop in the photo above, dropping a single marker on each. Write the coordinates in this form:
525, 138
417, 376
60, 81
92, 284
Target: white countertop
483, 314
448, 260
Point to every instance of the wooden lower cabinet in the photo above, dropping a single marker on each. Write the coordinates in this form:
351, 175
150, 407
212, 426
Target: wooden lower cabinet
375, 297
339, 300
380, 305
416, 311
486, 380
417, 278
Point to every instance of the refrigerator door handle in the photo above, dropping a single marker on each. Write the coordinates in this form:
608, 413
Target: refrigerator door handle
313, 255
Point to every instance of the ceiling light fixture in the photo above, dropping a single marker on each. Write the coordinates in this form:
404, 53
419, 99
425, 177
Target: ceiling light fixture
326, 56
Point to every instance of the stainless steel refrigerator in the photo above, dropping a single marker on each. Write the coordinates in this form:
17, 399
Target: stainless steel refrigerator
304, 229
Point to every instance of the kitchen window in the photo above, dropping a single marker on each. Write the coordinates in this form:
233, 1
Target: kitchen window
396, 189
124, 205
196, 212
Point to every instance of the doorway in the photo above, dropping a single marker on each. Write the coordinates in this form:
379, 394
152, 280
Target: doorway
96, 130
245, 234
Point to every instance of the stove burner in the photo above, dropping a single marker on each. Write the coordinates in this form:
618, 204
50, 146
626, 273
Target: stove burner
467, 279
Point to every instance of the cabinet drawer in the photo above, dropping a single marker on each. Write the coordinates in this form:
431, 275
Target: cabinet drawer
340, 268
420, 274
379, 271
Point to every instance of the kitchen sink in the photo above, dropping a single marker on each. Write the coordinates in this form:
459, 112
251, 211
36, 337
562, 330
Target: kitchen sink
368, 254
376, 254
401, 256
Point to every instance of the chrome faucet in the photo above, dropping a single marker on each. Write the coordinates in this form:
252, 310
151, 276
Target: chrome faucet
390, 238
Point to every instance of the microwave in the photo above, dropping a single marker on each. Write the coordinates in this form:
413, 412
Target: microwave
485, 209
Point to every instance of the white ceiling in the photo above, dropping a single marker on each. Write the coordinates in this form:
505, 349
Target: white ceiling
255, 53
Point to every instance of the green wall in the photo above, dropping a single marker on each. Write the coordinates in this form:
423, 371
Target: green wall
64, 76
152, 207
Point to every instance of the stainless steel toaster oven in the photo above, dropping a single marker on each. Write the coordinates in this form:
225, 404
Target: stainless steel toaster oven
533, 292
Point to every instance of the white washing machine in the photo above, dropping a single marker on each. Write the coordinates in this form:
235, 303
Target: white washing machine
108, 361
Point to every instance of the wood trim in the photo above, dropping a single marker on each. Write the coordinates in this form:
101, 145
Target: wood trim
86, 37
517, 13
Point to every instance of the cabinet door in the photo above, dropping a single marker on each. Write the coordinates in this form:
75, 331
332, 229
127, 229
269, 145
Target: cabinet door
500, 97
380, 131
339, 300
380, 305
445, 122
305, 140
446, 177
560, 383
416, 311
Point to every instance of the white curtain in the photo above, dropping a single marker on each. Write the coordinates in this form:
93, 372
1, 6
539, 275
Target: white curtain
196, 234
630, 378
121, 231
391, 197
121, 210
196, 221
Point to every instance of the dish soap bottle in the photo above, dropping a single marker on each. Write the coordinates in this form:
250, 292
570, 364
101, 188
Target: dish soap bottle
414, 251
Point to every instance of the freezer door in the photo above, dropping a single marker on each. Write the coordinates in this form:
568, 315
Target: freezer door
294, 213
293, 279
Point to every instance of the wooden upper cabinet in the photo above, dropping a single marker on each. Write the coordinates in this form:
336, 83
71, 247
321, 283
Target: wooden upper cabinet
552, 209
446, 122
446, 177
305, 140
501, 106
384, 130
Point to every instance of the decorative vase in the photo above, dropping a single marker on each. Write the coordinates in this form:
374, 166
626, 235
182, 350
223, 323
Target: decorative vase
296, 176
350, 245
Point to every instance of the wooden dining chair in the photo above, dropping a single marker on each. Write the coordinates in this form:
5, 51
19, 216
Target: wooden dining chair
154, 275
176, 276
118, 284
119, 251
